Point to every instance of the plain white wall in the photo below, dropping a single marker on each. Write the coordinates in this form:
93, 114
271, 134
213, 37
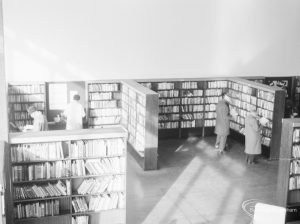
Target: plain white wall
56, 40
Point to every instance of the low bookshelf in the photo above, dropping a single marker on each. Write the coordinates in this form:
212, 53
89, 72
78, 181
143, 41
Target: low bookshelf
67, 177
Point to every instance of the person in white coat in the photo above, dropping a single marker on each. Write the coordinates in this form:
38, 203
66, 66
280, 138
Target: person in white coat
74, 113
252, 137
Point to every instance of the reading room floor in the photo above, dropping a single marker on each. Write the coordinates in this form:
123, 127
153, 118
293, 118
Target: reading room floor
196, 185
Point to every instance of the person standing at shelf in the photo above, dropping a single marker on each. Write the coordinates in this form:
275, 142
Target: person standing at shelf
40, 122
252, 137
222, 123
74, 113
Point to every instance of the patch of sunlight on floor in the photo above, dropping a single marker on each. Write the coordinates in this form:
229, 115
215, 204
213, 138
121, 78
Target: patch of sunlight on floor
209, 150
167, 208
193, 197
234, 166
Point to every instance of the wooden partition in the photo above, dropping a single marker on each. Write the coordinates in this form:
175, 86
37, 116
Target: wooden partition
140, 118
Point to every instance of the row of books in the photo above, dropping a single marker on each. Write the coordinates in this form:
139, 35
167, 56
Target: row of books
242, 105
37, 209
24, 106
210, 107
169, 109
36, 151
104, 87
265, 104
47, 170
26, 98
26, 89
265, 113
294, 183
101, 96
80, 219
209, 123
213, 92
191, 93
242, 97
198, 100
21, 115
212, 99
97, 148
99, 203
141, 110
169, 117
295, 167
169, 101
104, 120
98, 166
189, 85
103, 104
102, 184
168, 125
192, 108
105, 112
241, 112
242, 88
141, 99
217, 84
296, 151
42, 191
168, 93
210, 115
296, 135
165, 85
191, 124
265, 95
192, 116
22, 123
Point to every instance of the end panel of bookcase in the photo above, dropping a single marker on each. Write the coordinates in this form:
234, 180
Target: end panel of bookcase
278, 114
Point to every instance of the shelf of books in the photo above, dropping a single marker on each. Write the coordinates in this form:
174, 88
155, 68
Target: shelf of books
269, 103
76, 177
181, 106
191, 104
140, 118
288, 186
20, 97
104, 106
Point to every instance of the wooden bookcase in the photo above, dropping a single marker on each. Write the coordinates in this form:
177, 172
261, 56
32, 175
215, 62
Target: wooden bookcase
23, 95
245, 95
104, 103
288, 194
140, 118
66, 175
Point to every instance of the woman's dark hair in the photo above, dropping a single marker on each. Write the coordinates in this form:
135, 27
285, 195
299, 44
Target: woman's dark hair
76, 97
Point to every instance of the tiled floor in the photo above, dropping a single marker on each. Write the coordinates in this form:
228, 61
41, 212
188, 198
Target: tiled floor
196, 185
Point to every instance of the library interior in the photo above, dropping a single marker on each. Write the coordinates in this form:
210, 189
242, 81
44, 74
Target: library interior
172, 112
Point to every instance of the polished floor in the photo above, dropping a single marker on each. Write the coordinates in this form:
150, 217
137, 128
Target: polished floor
196, 185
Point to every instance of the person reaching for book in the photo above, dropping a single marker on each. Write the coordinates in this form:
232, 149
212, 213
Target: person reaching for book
252, 136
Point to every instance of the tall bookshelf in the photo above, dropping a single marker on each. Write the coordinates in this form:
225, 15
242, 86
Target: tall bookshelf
66, 177
104, 103
23, 95
245, 95
288, 186
140, 118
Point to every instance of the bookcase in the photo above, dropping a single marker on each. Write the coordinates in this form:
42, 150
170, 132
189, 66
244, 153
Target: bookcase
288, 186
181, 106
202, 95
23, 95
140, 118
74, 176
104, 103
